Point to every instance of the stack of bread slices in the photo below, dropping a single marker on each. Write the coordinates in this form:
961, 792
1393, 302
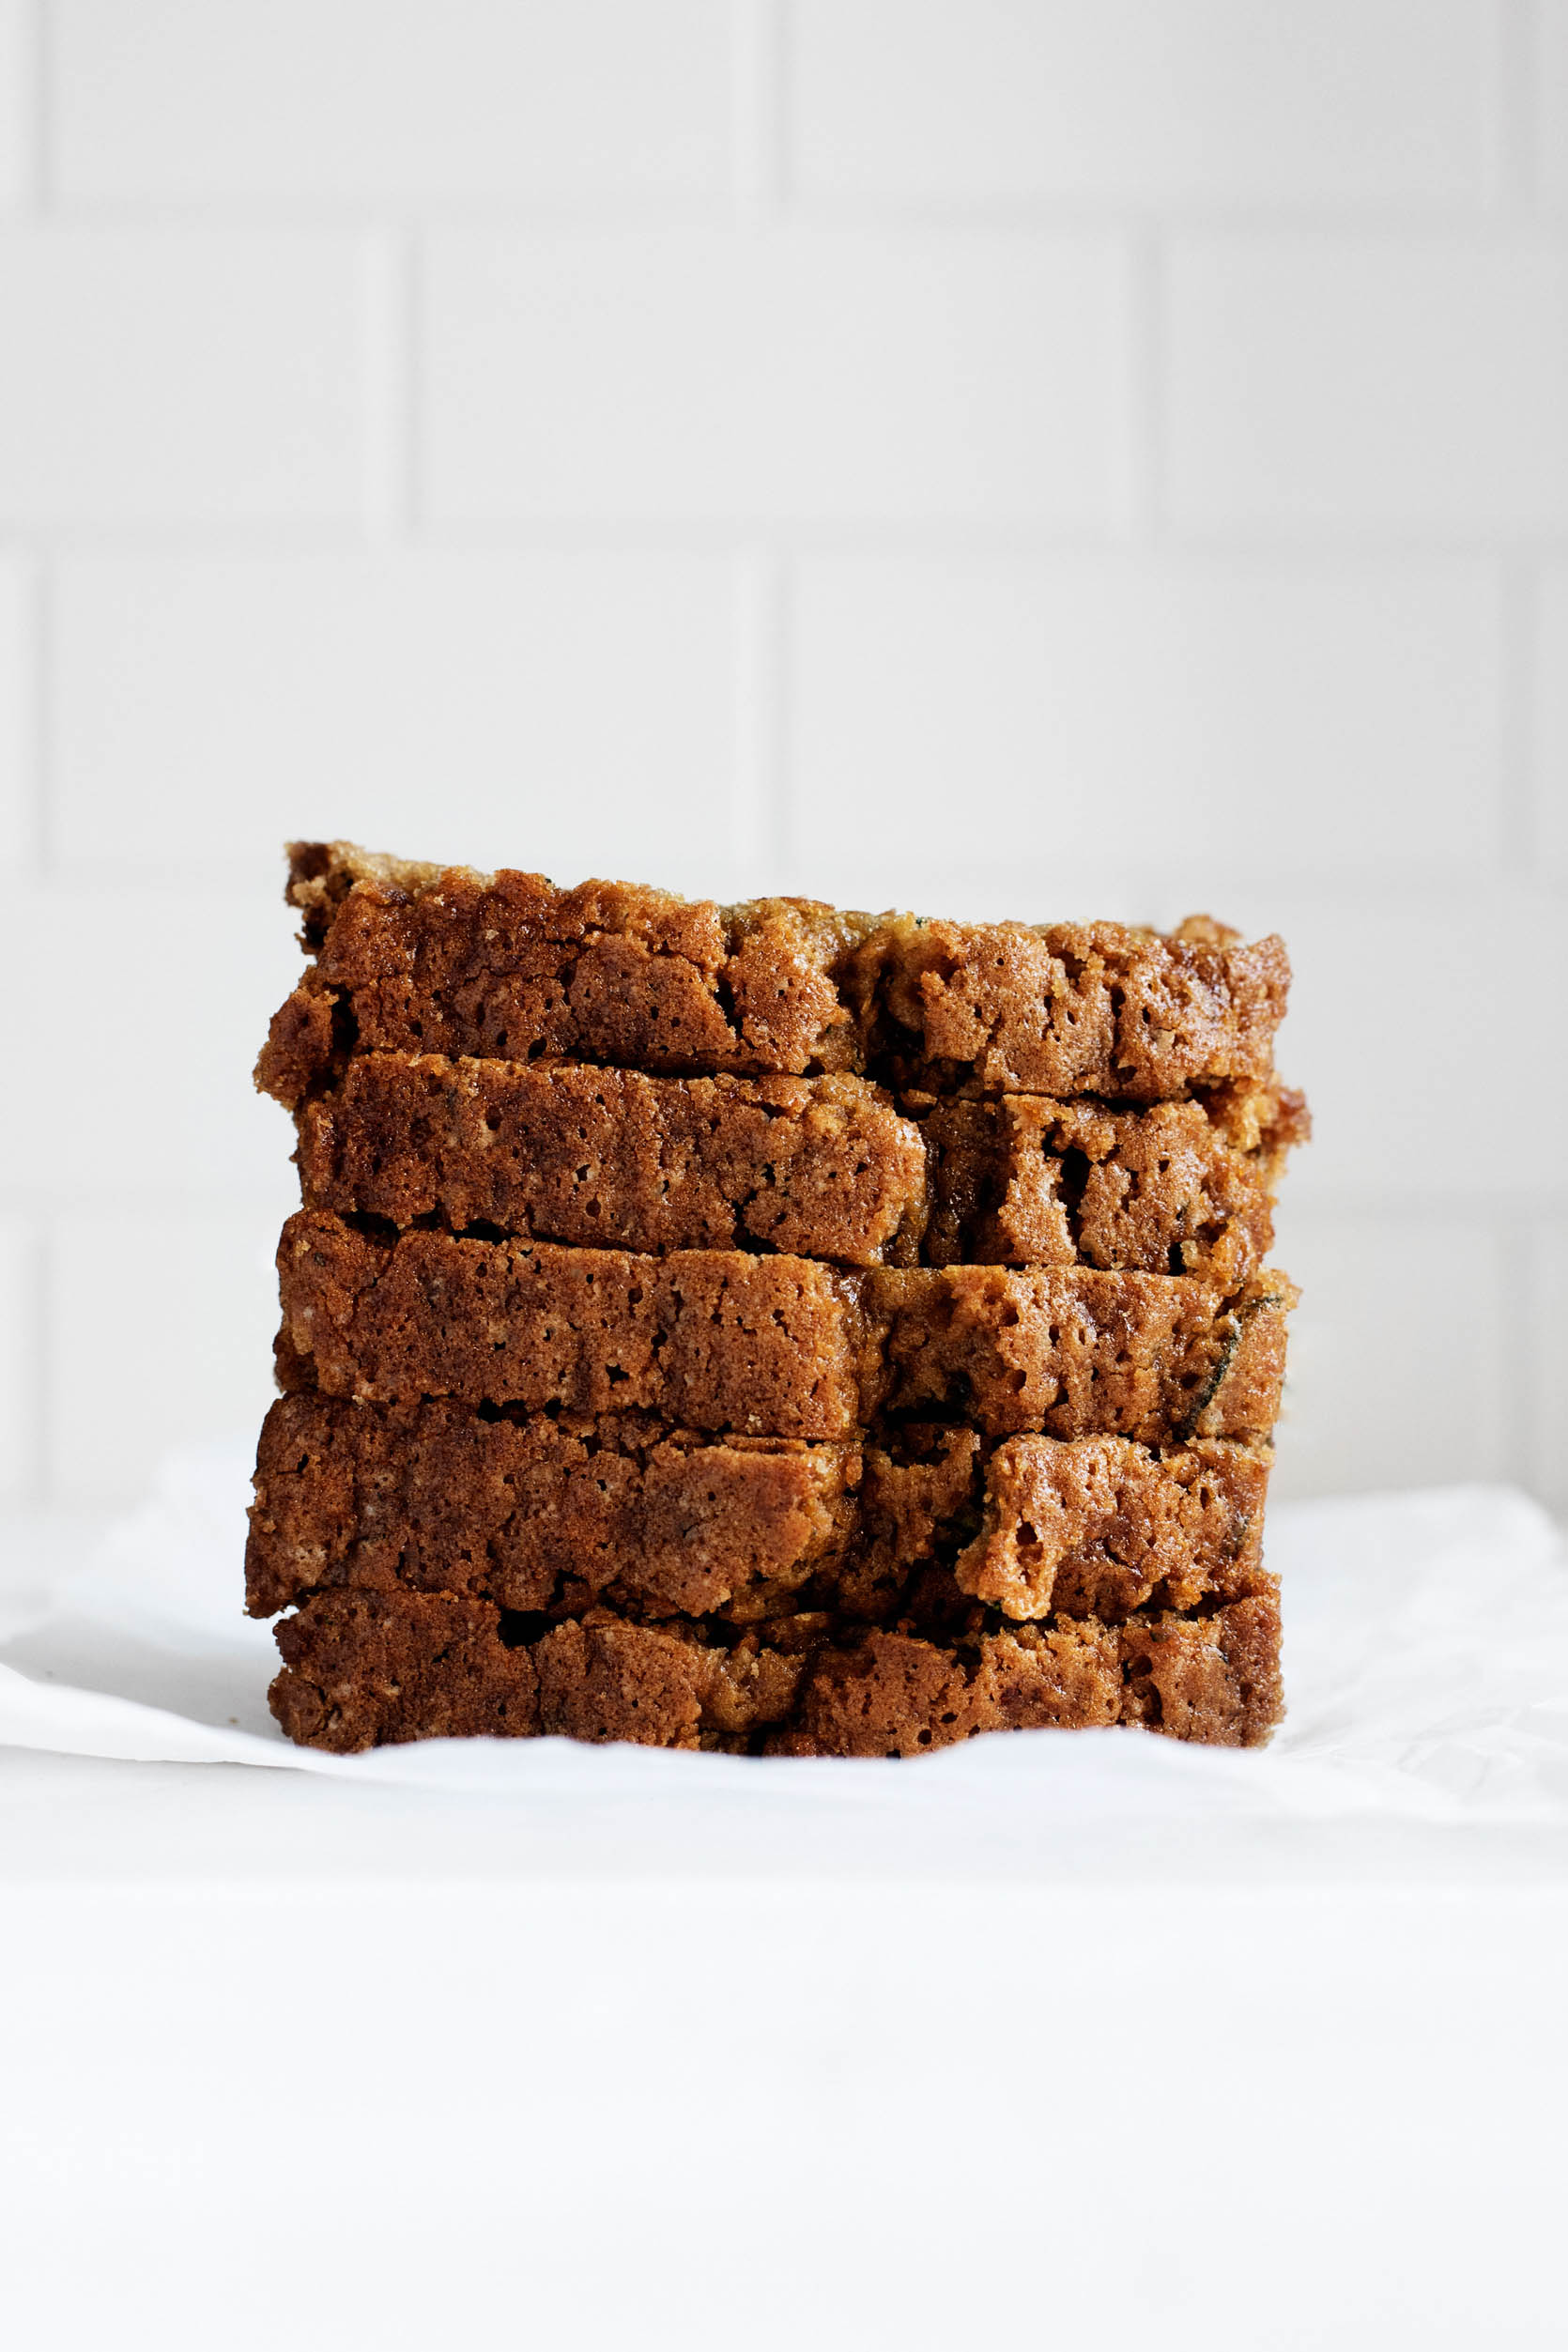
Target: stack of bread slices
767, 1328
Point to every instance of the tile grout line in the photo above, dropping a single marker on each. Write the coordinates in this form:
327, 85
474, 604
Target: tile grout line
1318, 554
1517, 815
40, 1311
388, 365
1516, 1252
39, 725
1143, 422
757, 113
751, 782
782, 844
1515, 30
761, 813
1337, 222
37, 65
412, 360
758, 810
1525, 1269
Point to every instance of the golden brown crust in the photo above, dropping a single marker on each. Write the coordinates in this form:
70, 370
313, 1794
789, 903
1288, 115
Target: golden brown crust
417, 959
321, 874
775, 1346
555, 1518
361, 1669
1066, 1009
817, 1167
1098, 1527
1074, 1352
1177, 1188
712, 1339
536, 1514
413, 957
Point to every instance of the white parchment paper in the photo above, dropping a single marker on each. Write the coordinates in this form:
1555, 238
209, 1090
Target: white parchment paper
1426, 1669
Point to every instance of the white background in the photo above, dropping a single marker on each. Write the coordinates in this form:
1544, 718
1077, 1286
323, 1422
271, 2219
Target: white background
861, 2117
1072, 456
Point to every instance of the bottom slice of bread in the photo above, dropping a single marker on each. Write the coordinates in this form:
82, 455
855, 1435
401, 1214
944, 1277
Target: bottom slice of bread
361, 1669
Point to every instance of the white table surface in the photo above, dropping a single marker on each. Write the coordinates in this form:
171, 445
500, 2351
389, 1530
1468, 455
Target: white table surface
286, 2059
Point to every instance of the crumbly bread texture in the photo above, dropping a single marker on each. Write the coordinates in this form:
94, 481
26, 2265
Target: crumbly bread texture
1066, 1009
775, 1346
546, 1516
818, 1167
1178, 1188
711, 1339
412, 958
363, 1668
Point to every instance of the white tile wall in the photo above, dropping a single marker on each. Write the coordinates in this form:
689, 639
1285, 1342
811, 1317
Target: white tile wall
1423, 1029
791, 375
289, 100
1399, 1352
162, 1322
1548, 1365
134, 1077
21, 1420
15, 713
1157, 100
1015, 455
374, 684
1549, 121
1415, 382
1144, 700
1550, 668
15, 28
181, 376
